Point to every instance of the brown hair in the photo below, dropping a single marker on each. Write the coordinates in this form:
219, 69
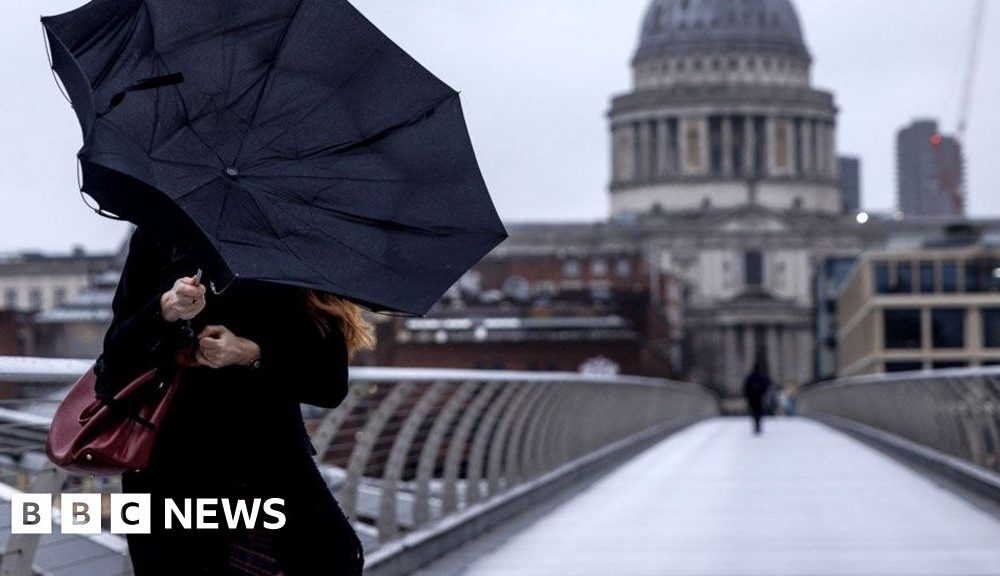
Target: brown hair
324, 308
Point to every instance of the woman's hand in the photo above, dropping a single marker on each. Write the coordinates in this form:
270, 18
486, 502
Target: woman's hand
219, 348
184, 301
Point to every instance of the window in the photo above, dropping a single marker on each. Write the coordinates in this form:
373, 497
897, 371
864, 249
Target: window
753, 267
973, 279
59, 295
950, 364
901, 329
903, 366
760, 145
949, 277
904, 278
623, 268
599, 268
928, 282
881, 277
35, 299
948, 328
10, 298
991, 327
571, 268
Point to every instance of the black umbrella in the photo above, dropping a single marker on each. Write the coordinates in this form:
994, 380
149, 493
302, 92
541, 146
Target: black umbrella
301, 143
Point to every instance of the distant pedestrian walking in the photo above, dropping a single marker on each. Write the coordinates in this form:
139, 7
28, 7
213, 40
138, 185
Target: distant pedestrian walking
755, 390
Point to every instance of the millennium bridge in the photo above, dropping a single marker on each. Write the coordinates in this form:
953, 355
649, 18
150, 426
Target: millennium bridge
484, 473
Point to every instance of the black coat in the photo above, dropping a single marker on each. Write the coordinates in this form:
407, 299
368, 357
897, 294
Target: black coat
234, 432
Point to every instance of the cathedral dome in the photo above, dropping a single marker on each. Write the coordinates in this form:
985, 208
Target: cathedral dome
689, 27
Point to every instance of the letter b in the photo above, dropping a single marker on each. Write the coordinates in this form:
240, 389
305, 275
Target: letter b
31, 514
81, 513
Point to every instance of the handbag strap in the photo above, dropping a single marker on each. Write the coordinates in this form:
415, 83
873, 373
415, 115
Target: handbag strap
116, 405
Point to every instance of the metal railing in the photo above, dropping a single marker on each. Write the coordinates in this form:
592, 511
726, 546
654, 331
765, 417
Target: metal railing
411, 447
956, 412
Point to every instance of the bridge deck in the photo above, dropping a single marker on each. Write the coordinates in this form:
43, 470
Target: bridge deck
715, 500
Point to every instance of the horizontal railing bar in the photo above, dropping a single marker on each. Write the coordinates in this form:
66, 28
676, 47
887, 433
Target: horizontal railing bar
56, 370
42, 370
896, 377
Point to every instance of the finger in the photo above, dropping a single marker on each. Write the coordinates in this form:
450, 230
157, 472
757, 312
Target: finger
208, 344
203, 360
212, 332
189, 291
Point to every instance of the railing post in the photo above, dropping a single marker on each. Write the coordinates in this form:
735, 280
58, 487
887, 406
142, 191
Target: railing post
388, 524
432, 448
363, 448
459, 443
19, 553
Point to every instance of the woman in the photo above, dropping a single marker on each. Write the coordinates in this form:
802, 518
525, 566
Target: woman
234, 429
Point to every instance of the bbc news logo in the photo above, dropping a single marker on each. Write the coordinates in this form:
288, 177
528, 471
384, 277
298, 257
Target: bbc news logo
133, 513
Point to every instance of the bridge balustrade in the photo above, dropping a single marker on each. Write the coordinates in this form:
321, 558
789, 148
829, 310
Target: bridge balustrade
408, 449
956, 412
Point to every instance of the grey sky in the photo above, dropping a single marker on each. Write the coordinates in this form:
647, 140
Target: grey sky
536, 78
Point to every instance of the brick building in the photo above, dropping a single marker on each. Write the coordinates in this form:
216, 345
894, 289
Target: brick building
600, 311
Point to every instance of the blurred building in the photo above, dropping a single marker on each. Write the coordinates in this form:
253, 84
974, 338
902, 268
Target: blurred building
931, 308
849, 176
597, 311
76, 328
930, 170
726, 155
723, 114
828, 285
15, 333
725, 174
33, 282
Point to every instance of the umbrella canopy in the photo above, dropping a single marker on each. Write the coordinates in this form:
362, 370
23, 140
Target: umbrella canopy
289, 139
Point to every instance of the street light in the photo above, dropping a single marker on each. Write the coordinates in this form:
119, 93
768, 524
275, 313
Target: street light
863, 217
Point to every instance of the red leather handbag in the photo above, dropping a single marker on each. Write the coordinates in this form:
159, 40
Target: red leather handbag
106, 436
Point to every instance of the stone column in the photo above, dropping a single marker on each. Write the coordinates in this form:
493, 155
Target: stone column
749, 348
788, 352
832, 152
662, 163
774, 359
817, 147
821, 154
732, 359
804, 355
808, 166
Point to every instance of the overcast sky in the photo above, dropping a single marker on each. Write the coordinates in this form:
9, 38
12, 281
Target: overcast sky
536, 78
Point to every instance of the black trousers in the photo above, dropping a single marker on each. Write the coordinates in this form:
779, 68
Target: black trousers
756, 405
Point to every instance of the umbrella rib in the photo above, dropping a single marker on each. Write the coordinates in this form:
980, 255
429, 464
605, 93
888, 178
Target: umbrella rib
342, 147
267, 78
320, 230
385, 223
322, 103
291, 249
187, 114
102, 76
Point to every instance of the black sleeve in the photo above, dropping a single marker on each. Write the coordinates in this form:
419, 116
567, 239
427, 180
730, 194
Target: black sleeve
139, 338
306, 364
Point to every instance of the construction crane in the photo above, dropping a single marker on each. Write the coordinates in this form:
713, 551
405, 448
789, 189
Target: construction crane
950, 170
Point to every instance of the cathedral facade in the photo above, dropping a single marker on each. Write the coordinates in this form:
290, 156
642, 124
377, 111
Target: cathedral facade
726, 142
724, 174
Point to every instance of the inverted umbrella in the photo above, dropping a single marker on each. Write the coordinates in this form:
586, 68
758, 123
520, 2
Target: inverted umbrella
290, 140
